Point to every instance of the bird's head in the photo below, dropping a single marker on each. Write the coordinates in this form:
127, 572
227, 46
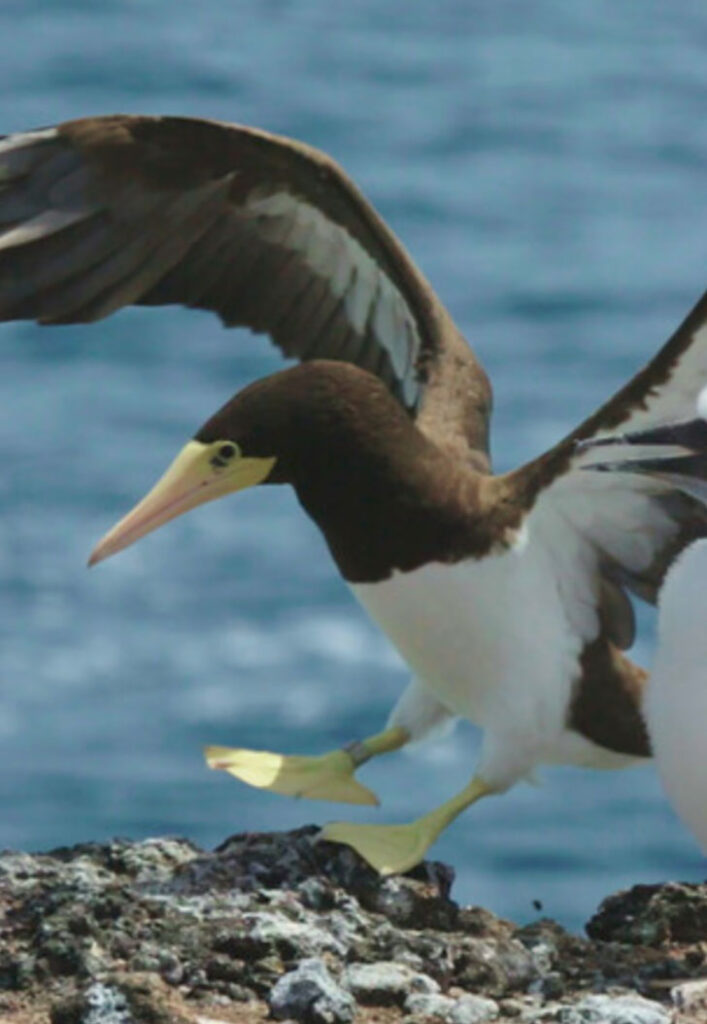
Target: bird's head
296, 423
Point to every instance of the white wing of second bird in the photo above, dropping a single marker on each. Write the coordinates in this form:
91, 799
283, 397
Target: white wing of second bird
676, 697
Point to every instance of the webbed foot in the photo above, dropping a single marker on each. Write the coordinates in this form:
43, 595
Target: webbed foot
326, 777
390, 849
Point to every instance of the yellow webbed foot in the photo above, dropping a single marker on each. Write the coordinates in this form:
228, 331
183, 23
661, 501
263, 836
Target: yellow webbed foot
390, 849
327, 777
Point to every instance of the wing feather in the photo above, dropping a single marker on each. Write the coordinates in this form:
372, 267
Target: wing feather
623, 528
262, 230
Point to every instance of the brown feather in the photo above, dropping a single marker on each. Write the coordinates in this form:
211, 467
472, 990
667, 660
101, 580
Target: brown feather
607, 700
178, 154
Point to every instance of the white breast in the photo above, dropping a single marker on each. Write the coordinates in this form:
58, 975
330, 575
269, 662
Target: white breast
676, 700
491, 639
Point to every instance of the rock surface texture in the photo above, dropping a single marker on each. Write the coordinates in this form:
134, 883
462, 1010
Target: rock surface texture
281, 927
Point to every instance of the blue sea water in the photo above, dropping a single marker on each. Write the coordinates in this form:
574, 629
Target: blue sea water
545, 165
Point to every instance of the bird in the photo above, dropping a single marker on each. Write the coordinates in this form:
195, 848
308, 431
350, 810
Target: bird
509, 596
675, 701
675, 705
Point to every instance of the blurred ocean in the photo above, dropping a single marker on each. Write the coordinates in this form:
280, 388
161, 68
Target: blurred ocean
545, 165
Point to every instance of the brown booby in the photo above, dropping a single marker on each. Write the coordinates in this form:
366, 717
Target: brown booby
507, 595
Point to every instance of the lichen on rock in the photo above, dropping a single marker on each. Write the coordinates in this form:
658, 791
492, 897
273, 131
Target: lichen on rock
282, 926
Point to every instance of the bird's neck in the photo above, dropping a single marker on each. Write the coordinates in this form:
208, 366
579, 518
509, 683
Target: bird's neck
395, 507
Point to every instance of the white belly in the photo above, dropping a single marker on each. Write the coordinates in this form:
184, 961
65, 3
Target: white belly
676, 699
490, 638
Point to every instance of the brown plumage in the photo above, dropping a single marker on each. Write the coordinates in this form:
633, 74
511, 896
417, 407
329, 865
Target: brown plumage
390, 458
384, 495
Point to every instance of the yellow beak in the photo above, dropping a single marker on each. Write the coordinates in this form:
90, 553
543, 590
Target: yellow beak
191, 480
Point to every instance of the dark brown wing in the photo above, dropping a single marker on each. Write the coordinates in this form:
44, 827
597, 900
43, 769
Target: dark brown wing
606, 533
630, 526
265, 231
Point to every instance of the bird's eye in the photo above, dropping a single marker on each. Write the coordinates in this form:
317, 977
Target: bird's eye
224, 454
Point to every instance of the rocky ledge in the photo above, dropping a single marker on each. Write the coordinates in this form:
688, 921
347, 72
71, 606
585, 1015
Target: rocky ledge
281, 927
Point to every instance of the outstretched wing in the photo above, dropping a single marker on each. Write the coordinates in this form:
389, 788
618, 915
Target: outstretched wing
612, 532
265, 231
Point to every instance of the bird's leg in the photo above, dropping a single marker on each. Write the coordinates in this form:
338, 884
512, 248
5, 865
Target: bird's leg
324, 777
395, 848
